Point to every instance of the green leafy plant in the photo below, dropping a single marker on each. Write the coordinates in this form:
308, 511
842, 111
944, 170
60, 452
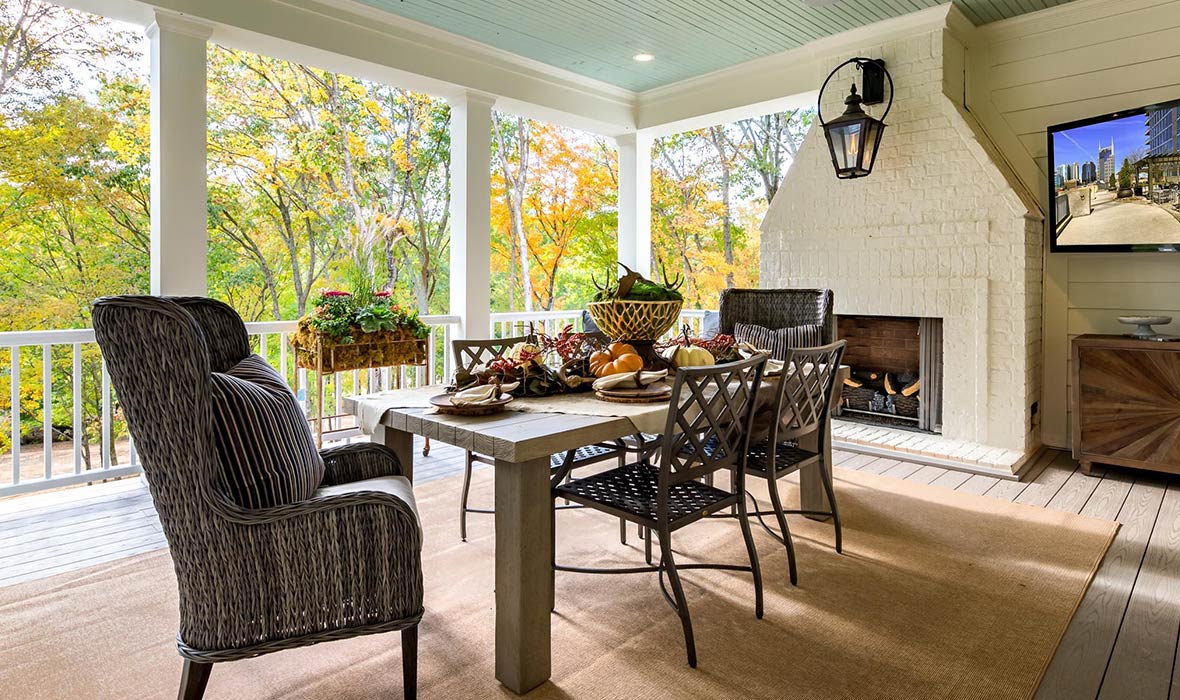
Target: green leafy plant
339, 314
635, 287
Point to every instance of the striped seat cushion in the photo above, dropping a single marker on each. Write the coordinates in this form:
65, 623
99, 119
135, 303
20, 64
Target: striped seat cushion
268, 455
779, 341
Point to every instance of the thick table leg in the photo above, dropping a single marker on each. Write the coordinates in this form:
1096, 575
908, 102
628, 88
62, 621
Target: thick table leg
524, 536
402, 444
811, 485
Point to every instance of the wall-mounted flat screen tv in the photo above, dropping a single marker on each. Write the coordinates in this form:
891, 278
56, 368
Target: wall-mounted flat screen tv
1114, 182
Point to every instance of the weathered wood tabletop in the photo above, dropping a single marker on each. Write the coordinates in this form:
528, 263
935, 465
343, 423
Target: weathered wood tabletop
521, 444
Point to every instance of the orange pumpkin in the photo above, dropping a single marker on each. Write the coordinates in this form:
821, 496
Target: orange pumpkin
616, 359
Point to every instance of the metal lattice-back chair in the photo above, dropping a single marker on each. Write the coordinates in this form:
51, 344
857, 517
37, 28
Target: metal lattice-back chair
256, 581
778, 308
800, 409
708, 431
469, 354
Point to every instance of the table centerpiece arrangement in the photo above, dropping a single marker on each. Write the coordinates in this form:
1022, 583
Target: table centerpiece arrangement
687, 350
637, 311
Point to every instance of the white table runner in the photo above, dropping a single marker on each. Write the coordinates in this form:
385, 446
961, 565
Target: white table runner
647, 417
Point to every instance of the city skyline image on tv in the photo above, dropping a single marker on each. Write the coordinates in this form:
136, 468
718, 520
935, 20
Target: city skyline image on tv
1116, 181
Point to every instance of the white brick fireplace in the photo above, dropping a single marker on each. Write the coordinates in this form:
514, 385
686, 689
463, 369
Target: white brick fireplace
939, 229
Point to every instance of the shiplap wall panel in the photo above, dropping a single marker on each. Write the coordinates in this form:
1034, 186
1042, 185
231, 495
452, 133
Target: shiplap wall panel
1081, 321
1124, 294
1059, 35
1080, 61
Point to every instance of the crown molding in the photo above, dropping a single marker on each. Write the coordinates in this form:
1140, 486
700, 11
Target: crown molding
355, 39
178, 24
769, 80
364, 15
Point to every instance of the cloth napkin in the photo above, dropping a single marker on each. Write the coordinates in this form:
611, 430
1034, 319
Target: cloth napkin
477, 395
773, 366
629, 380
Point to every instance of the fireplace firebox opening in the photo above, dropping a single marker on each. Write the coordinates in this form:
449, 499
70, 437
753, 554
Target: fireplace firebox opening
896, 377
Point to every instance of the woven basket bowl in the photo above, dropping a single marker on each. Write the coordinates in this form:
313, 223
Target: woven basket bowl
635, 320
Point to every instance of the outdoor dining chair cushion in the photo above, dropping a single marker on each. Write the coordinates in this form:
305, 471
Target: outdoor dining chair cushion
779, 341
268, 455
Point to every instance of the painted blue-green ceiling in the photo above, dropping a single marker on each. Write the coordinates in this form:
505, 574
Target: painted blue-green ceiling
598, 38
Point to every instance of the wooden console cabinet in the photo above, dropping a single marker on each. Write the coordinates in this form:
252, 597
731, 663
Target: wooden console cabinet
1126, 402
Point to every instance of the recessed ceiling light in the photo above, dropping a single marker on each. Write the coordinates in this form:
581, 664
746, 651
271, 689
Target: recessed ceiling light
643, 57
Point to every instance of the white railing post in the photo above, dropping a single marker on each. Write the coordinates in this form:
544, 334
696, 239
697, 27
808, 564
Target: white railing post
471, 213
78, 429
14, 393
635, 201
47, 408
179, 240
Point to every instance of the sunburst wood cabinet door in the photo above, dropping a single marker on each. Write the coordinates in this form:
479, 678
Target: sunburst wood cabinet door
1126, 402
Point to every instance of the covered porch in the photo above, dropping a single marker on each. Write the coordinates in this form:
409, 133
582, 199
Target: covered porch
981, 557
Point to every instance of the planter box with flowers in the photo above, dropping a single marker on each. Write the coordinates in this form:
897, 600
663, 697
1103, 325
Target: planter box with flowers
359, 331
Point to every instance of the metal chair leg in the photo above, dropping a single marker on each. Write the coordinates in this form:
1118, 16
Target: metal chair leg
755, 569
193, 679
772, 485
622, 531
826, 477
463, 499
647, 545
669, 565
410, 663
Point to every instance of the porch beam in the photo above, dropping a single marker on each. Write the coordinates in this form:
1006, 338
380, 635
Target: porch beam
471, 213
179, 237
634, 238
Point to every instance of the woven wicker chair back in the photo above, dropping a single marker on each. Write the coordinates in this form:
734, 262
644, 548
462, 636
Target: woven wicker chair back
470, 353
804, 396
778, 308
250, 581
710, 430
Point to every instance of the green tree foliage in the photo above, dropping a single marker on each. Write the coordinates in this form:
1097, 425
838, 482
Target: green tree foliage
73, 192
314, 175
307, 167
710, 190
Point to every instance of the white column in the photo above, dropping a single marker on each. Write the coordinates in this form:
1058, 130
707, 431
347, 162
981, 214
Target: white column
635, 201
179, 243
471, 213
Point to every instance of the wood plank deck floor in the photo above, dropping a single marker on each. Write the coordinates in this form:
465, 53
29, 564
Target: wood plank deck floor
1121, 644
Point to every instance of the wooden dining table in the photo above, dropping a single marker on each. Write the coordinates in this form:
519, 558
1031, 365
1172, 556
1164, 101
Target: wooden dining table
521, 444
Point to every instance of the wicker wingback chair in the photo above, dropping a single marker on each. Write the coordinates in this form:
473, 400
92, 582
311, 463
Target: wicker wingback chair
778, 308
344, 563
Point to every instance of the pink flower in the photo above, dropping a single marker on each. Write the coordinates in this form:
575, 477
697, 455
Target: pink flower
382, 294
336, 293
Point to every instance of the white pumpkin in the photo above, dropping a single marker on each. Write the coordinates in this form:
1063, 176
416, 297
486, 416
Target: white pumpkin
692, 356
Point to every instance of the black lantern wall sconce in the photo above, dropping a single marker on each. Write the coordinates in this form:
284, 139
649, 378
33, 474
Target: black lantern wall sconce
854, 137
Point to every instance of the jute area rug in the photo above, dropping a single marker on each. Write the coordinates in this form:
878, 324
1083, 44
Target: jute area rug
938, 595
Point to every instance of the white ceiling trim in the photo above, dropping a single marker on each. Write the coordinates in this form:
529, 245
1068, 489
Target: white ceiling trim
747, 87
358, 40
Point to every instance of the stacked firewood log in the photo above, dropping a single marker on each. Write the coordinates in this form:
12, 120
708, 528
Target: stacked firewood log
882, 392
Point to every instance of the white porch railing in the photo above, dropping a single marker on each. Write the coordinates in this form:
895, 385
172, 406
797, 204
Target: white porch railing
517, 323
74, 397
74, 404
